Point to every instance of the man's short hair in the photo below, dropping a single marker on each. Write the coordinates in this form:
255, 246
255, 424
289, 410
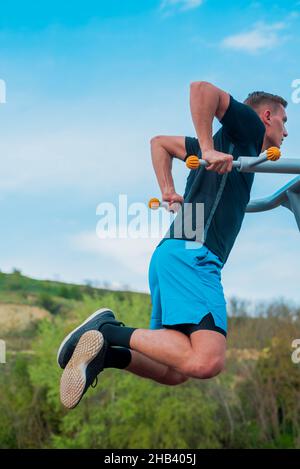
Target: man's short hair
257, 98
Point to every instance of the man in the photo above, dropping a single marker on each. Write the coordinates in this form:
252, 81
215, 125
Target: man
188, 324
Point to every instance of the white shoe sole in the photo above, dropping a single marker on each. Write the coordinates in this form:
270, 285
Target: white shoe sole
99, 311
73, 379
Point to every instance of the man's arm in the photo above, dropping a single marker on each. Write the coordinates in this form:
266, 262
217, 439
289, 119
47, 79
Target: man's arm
163, 150
206, 102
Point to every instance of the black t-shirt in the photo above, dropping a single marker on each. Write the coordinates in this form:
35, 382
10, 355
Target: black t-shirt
241, 127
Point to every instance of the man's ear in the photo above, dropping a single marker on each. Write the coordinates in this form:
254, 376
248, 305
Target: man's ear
266, 117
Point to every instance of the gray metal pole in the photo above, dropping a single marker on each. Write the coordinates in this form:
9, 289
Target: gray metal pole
246, 164
283, 166
288, 196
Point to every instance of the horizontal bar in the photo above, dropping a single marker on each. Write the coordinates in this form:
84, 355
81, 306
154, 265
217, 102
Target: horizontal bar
246, 164
283, 166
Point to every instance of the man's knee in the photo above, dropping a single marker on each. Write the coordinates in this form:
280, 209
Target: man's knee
204, 368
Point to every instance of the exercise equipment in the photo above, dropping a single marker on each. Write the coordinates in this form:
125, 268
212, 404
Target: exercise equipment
288, 196
155, 203
267, 162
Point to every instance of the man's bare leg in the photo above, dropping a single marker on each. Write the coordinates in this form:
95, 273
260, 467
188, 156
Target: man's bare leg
145, 367
200, 356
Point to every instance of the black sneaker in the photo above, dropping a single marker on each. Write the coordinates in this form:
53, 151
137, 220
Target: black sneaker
83, 368
93, 322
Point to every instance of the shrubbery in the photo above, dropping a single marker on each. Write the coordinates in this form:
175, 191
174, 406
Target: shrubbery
254, 403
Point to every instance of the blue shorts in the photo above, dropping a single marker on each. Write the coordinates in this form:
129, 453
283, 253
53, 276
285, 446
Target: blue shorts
185, 285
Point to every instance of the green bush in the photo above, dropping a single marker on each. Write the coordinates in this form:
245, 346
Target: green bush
72, 293
47, 302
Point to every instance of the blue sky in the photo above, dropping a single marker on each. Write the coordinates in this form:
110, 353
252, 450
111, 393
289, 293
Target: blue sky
88, 85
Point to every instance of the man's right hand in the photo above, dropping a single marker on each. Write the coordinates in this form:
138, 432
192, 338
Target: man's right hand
218, 161
174, 199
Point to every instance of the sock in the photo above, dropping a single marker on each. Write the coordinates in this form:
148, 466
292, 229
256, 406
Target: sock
117, 335
117, 357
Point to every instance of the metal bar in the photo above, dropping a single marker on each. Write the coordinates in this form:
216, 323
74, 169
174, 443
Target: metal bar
288, 196
274, 200
247, 164
283, 166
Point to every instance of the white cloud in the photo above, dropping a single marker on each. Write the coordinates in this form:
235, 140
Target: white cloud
129, 242
132, 253
261, 37
64, 149
74, 157
261, 266
182, 5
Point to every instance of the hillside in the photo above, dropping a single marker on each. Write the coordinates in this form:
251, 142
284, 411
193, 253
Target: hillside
24, 301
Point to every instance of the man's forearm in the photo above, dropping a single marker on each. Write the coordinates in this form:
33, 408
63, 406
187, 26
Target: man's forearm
204, 103
162, 164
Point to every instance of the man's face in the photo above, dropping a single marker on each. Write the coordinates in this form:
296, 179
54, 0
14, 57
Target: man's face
275, 122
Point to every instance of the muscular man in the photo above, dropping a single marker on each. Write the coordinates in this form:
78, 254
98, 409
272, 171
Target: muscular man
187, 335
